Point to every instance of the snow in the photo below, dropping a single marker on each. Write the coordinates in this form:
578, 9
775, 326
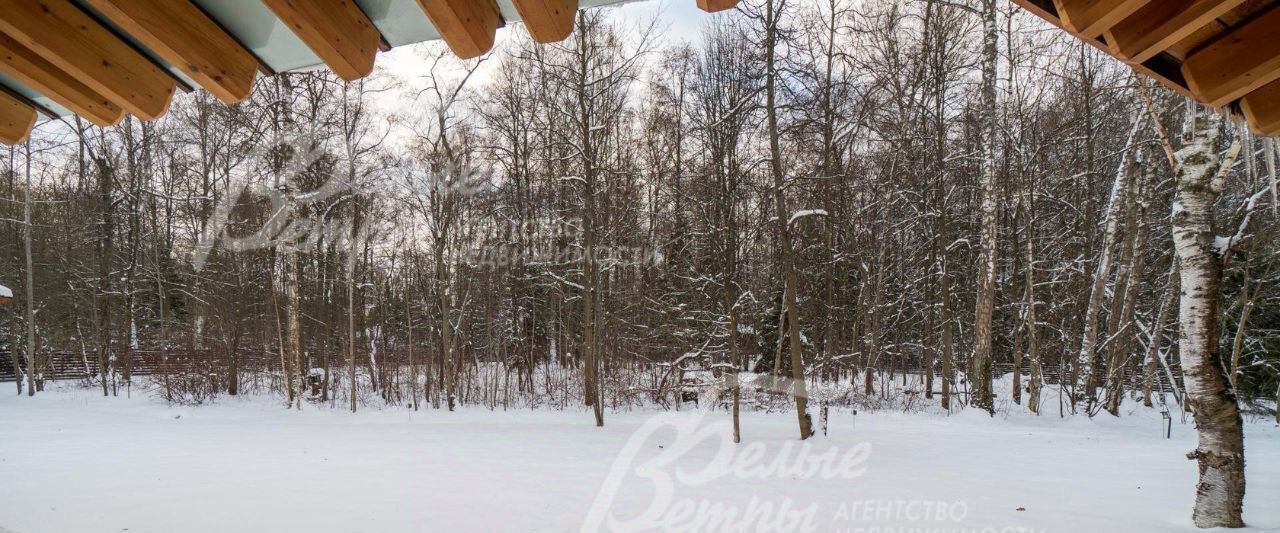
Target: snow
1220, 244
74, 461
807, 213
5, 292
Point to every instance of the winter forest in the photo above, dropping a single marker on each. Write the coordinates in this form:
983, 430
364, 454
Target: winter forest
940, 214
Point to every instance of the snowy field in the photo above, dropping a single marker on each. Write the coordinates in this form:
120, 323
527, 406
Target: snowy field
75, 462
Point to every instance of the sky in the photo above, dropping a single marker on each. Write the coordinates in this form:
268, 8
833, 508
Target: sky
678, 20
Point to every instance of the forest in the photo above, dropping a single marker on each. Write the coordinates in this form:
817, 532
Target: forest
553, 224
915, 206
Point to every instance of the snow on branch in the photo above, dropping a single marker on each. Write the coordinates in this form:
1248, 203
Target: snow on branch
1224, 245
806, 213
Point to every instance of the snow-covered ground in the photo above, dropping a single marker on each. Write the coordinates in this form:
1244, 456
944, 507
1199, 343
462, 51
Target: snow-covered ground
74, 462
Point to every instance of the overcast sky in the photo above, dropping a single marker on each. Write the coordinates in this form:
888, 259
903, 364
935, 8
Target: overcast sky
678, 20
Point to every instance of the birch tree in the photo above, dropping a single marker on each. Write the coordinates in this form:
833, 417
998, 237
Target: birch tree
980, 363
1201, 175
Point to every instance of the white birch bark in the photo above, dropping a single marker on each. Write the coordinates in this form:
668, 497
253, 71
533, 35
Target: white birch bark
1097, 291
980, 365
1220, 453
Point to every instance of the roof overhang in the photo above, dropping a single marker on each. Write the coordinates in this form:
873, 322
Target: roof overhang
103, 59
1222, 53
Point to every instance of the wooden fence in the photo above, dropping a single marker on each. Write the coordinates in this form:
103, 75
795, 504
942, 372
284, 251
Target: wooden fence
68, 365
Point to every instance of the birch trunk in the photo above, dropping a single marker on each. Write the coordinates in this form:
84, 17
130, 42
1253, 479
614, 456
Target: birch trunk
980, 364
1122, 333
1220, 453
293, 329
1088, 356
27, 228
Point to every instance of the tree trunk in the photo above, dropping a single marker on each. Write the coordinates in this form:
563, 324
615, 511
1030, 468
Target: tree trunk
1157, 334
1123, 326
792, 308
1247, 300
948, 337
1220, 454
1088, 356
980, 364
351, 309
293, 328
27, 229
104, 250
1029, 312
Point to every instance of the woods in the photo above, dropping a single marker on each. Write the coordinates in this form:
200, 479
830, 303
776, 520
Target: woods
900, 206
883, 205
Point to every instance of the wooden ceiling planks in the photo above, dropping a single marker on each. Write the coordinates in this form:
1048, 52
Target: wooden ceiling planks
1238, 62
336, 30
75, 43
1090, 18
16, 119
1158, 26
33, 71
185, 37
1224, 53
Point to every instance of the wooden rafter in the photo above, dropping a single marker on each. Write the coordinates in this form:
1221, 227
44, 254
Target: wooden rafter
16, 119
1090, 18
35, 72
1159, 25
467, 26
712, 6
1244, 59
548, 21
71, 40
336, 30
184, 36
1262, 108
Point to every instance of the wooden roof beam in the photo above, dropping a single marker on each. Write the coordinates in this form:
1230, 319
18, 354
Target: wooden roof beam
1159, 25
33, 71
336, 30
187, 38
71, 40
1236, 64
1089, 18
16, 119
712, 6
1262, 108
467, 26
548, 21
